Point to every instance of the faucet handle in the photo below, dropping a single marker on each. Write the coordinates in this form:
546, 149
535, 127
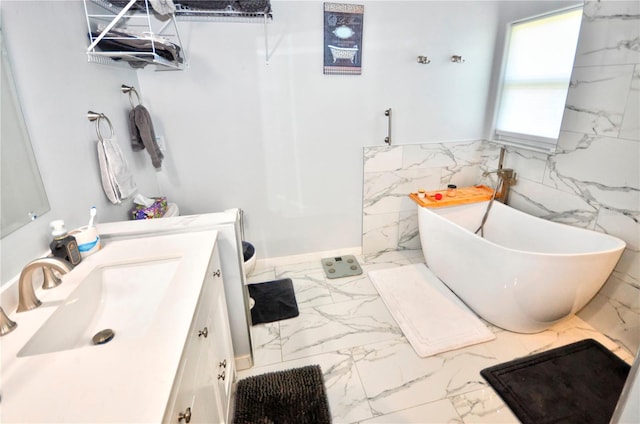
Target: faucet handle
6, 325
50, 278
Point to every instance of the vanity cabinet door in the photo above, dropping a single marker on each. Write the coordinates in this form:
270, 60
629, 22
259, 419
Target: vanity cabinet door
221, 352
190, 401
209, 401
202, 391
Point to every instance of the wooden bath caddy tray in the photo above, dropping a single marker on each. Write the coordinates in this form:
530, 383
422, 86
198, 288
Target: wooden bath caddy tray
464, 195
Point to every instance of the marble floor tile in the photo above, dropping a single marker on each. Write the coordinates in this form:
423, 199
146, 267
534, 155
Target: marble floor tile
299, 270
483, 406
261, 275
372, 374
311, 289
265, 340
351, 288
395, 377
327, 328
440, 412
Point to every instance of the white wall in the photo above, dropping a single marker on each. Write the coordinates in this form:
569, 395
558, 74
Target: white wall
46, 41
284, 142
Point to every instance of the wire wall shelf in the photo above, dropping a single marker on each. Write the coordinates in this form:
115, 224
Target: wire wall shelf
228, 14
130, 33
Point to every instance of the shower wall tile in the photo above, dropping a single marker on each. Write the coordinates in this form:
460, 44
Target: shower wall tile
385, 158
584, 167
609, 33
545, 202
597, 99
624, 225
527, 164
391, 173
388, 191
631, 122
408, 234
380, 232
441, 155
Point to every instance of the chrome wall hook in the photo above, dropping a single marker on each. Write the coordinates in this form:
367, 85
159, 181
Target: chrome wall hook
424, 60
457, 59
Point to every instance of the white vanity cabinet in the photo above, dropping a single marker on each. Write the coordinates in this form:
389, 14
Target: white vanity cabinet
202, 387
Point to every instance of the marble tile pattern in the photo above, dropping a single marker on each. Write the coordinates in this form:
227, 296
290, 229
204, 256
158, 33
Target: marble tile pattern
371, 372
392, 172
592, 181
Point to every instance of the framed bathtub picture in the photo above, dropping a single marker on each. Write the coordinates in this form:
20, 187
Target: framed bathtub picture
343, 38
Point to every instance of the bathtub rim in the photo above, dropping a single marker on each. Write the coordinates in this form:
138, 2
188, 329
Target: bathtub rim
621, 243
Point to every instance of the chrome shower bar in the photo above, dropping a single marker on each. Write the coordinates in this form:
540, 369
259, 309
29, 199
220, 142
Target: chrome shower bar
387, 139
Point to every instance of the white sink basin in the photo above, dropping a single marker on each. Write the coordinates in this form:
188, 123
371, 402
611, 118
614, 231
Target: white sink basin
122, 297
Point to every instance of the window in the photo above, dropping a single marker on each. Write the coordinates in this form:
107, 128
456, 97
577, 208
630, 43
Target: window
536, 75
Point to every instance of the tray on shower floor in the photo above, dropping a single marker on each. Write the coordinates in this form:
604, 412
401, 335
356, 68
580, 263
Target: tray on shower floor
479, 193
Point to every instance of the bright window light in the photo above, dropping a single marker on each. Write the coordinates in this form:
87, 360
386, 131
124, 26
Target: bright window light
536, 77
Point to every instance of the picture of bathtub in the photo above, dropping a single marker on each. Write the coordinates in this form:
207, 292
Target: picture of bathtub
348, 53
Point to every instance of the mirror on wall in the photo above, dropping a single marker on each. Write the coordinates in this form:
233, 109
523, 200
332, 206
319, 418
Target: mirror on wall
22, 194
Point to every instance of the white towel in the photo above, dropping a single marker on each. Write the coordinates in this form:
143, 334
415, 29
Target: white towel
117, 181
431, 317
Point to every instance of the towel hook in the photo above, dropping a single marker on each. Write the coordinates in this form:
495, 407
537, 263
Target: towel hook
95, 116
127, 89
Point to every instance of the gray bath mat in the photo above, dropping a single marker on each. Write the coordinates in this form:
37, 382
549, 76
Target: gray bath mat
341, 266
274, 301
295, 396
578, 383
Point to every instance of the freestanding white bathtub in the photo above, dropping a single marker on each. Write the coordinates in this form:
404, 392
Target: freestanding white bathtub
526, 274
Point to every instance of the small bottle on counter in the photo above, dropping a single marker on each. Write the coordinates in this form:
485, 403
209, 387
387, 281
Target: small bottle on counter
64, 245
452, 190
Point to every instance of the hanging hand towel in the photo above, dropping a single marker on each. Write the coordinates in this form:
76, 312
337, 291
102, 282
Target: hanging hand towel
117, 181
143, 136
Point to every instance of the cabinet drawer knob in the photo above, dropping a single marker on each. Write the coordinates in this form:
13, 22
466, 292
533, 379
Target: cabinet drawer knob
222, 376
186, 416
204, 332
222, 364
216, 273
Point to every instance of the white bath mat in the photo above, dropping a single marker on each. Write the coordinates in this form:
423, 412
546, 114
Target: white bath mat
431, 317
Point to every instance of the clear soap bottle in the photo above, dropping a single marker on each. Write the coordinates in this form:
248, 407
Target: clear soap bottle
64, 245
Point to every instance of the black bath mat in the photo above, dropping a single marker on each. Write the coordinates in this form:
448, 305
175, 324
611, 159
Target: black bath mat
295, 396
274, 301
577, 383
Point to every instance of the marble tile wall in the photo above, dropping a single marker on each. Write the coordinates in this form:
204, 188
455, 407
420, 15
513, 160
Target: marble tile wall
390, 219
593, 181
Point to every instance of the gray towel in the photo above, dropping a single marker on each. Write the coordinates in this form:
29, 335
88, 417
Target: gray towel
143, 135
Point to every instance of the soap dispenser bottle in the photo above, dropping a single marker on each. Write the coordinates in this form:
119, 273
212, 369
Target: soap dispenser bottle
64, 245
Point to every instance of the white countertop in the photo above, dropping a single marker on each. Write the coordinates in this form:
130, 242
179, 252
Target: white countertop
124, 380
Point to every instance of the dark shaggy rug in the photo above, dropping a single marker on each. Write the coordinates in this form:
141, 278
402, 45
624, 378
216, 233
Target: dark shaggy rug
295, 396
578, 383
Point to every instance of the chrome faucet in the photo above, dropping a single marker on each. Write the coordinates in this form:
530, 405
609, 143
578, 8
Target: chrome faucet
27, 299
506, 179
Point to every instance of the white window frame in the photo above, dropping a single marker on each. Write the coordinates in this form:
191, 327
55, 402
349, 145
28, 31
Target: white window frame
527, 141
